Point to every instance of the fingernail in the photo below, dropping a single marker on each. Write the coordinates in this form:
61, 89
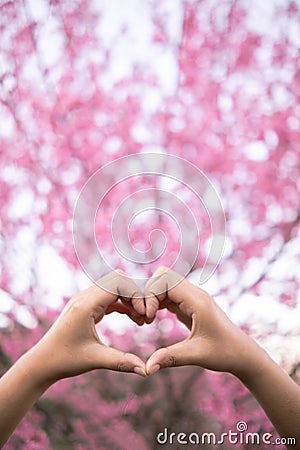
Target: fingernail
139, 371
154, 369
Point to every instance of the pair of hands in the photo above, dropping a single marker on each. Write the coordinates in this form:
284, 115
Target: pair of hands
72, 345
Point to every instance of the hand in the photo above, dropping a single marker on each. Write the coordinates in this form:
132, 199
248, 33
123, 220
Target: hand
72, 345
215, 343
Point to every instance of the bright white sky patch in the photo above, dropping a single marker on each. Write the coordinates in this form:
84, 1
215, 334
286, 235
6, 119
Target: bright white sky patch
50, 42
22, 205
25, 317
7, 123
257, 151
135, 46
38, 11
6, 301
54, 276
261, 16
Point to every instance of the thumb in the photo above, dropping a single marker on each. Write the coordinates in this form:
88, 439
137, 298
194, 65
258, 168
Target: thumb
181, 354
113, 359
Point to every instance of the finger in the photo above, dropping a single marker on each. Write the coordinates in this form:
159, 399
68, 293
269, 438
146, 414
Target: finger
152, 305
160, 270
130, 292
131, 308
163, 281
155, 291
178, 289
152, 302
158, 287
124, 309
181, 354
183, 313
113, 359
156, 275
138, 303
110, 287
115, 307
105, 290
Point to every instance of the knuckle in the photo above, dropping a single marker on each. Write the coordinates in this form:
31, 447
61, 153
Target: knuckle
169, 359
77, 303
123, 365
152, 301
172, 361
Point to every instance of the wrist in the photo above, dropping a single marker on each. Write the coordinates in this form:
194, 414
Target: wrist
36, 367
253, 363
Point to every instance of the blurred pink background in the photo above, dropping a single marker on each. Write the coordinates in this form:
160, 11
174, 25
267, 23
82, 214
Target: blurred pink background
83, 83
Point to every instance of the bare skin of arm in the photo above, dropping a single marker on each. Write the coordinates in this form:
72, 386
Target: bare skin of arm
215, 343
71, 347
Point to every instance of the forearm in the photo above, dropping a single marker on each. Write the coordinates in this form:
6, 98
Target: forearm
277, 393
20, 388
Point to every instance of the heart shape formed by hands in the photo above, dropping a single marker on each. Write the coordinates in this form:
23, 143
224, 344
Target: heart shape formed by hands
214, 339
72, 345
